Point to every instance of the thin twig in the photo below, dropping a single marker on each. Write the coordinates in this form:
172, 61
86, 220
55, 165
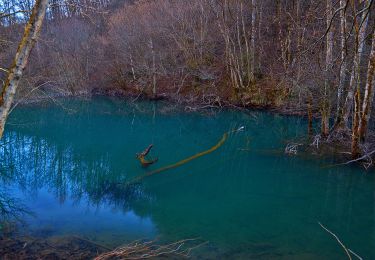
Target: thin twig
338, 240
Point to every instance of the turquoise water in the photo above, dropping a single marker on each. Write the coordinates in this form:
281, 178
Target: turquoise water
65, 162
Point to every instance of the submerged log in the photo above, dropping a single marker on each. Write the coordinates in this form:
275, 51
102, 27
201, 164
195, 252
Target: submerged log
182, 162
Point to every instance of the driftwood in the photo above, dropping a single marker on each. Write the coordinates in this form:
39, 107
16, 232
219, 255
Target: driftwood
179, 163
142, 157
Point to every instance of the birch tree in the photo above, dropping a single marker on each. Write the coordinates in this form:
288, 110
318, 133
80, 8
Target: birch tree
343, 67
30, 36
325, 110
369, 93
253, 34
360, 33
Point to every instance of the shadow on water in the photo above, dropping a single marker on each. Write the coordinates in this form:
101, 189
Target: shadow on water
69, 167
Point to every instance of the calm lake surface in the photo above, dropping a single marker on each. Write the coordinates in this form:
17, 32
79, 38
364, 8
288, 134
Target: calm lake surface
67, 162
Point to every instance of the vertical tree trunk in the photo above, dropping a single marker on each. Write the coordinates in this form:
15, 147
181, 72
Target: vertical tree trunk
327, 83
309, 116
355, 130
369, 93
260, 24
29, 38
132, 65
280, 33
354, 78
253, 34
341, 87
248, 55
153, 69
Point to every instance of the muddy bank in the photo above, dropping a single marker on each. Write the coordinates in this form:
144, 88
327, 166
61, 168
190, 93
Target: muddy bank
51, 248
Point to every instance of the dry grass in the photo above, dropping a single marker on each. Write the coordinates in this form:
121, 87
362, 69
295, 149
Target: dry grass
150, 249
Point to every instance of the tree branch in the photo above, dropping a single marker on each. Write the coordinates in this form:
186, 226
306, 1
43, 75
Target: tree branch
347, 250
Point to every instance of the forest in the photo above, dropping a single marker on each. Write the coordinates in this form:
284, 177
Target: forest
309, 57
313, 60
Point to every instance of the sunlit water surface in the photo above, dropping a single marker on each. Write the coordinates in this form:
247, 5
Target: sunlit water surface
66, 163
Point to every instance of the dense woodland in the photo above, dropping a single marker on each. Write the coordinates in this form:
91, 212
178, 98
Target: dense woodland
315, 58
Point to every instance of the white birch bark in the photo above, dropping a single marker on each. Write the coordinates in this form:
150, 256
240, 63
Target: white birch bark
329, 59
27, 43
341, 87
354, 78
253, 34
369, 93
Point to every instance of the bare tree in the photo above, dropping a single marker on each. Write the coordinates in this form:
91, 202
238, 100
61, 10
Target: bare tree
360, 33
29, 38
253, 35
369, 93
343, 66
329, 60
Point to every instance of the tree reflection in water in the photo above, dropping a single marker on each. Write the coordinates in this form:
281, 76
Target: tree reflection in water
246, 197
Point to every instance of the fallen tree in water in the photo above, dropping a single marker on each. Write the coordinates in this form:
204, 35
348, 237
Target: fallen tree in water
182, 162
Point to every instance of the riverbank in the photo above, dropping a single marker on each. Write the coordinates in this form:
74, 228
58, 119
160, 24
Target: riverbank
26, 247
192, 99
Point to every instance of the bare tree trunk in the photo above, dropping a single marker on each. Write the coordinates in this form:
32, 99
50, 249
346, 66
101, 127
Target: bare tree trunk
355, 131
340, 90
248, 58
369, 93
327, 83
239, 38
354, 78
253, 34
132, 65
29, 38
153, 69
309, 116
260, 24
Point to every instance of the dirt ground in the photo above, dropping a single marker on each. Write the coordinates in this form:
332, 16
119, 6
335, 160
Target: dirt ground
51, 248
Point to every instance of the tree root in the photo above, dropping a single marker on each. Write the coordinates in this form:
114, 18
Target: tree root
149, 249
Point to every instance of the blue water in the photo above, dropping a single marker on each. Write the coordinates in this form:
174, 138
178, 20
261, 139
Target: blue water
67, 162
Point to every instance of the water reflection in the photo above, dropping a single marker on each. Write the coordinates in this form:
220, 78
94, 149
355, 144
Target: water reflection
65, 183
69, 169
